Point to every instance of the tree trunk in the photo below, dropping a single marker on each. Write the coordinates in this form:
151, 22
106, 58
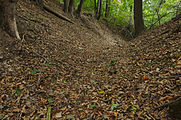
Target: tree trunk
158, 10
97, 12
100, 10
138, 17
130, 22
71, 7
66, 5
7, 17
80, 8
39, 3
107, 8
95, 8
158, 16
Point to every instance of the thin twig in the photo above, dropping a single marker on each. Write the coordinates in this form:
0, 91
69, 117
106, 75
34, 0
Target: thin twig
39, 76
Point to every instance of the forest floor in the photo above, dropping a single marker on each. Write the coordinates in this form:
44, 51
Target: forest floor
85, 71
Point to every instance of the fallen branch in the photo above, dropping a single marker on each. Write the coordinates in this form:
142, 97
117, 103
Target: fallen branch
56, 14
42, 5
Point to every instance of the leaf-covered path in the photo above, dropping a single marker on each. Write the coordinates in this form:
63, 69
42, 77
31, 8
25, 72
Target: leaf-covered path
85, 71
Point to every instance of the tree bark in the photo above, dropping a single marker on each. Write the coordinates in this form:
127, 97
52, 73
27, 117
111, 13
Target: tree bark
107, 8
80, 7
95, 8
100, 10
130, 19
7, 17
98, 5
158, 10
158, 16
71, 7
57, 14
138, 17
66, 5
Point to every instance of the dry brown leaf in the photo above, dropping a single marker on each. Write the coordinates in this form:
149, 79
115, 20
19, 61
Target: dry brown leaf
166, 98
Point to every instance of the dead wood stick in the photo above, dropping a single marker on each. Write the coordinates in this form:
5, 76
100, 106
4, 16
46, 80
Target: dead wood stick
57, 14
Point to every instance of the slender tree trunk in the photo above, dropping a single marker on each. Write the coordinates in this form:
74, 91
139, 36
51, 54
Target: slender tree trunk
95, 8
66, 5
130, 19
80, 7
131, 15
71, 7
107, 8
7, 17
100, 10
138, 17
158, 16
158, 10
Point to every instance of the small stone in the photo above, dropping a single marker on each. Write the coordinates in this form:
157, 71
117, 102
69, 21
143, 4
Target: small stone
178, 64
58, 115
1, 57
157, 69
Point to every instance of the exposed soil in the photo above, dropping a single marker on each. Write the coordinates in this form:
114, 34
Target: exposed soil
84, 71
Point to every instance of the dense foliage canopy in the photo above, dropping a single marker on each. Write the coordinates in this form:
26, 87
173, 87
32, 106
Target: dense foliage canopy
155, 12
